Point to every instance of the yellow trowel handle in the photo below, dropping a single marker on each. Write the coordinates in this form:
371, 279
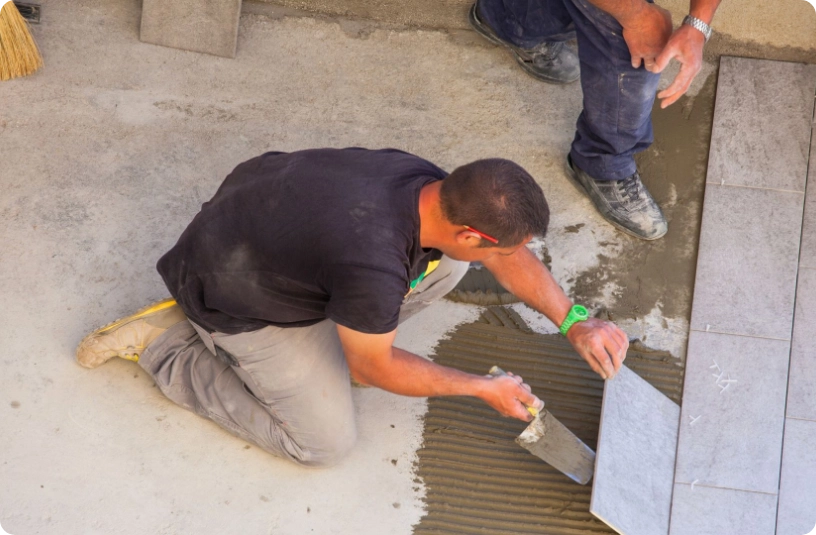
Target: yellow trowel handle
495, 371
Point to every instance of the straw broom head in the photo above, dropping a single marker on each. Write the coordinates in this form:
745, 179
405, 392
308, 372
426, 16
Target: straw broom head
19, 55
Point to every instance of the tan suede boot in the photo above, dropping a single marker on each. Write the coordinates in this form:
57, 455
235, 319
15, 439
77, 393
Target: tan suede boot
127, 337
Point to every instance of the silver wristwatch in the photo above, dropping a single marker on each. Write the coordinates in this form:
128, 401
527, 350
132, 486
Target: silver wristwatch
694, 22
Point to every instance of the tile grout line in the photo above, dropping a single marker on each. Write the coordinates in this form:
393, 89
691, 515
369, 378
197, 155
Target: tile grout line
727, 488
742, 335
795, 301
779, 190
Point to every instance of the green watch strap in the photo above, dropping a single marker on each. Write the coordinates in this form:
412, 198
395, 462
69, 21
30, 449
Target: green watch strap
577, 313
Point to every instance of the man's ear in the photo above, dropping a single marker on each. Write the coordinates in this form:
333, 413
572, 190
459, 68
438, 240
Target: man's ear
469, 238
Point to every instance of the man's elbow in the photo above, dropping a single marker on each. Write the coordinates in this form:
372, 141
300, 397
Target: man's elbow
358, 379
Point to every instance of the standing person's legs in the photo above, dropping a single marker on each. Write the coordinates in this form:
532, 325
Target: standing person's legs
615, 123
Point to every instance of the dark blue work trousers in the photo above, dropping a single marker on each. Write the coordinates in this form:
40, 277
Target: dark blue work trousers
616, 121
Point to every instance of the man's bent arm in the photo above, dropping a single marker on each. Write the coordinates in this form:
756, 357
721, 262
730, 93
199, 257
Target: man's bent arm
602, 344
374, 361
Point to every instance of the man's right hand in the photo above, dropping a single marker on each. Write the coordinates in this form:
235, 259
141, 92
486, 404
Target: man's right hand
646, 33
510, 396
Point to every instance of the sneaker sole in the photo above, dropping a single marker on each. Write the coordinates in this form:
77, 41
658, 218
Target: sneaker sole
573, 179
158, 306
485, 32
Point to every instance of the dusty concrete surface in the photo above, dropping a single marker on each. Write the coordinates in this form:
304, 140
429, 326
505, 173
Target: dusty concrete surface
106, 155
784, 23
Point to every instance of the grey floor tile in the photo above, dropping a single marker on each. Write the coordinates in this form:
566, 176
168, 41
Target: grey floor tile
802, 382
762, 123
747, 261
209, 26
733, 412
713, 511
797, 491
634, 465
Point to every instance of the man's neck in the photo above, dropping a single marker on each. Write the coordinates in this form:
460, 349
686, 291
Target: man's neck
432, 226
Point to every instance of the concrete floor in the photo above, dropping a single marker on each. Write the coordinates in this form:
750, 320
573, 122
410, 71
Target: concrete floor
108, 152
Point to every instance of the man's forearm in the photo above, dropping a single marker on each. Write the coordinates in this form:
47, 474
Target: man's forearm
704, 9
407, 374
527, 278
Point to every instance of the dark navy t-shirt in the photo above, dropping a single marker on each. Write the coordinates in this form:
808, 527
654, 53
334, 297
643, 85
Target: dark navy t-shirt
291, 239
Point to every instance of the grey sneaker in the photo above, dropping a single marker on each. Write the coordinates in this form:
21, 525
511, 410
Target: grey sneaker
627, 204
554, 62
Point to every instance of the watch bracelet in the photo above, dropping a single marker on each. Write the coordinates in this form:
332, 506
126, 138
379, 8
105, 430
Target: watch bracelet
698, 25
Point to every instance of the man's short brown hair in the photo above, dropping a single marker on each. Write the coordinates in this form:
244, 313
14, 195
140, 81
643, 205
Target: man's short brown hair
497, 197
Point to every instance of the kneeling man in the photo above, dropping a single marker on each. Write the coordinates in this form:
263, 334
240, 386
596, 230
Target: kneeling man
297, 273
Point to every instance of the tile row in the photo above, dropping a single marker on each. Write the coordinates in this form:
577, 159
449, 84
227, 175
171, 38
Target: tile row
733, 418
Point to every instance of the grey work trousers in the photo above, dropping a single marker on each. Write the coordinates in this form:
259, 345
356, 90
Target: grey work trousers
285, 390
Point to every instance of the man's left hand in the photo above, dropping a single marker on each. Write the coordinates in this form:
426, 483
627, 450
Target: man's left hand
686, 46
601, 343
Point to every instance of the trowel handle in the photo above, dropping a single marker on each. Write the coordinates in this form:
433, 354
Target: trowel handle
495, 371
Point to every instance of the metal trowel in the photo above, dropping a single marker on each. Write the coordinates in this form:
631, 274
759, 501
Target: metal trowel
551, 441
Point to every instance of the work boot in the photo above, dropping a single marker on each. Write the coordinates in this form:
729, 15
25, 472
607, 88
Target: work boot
552, 62
128, 337
627, 204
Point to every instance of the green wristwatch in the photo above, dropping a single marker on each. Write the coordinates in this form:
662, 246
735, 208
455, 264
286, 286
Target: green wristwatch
577, 313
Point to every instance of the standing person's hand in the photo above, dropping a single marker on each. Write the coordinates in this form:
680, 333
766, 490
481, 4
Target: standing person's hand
601, 343
686, 46
646, 34
511, 396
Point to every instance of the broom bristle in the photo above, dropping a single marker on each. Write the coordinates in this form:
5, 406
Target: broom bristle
19, 55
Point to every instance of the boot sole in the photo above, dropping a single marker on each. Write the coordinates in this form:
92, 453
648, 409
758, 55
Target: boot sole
485, 32
573, 179
158, 306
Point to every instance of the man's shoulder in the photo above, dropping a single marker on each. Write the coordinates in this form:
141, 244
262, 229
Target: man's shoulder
386, 158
